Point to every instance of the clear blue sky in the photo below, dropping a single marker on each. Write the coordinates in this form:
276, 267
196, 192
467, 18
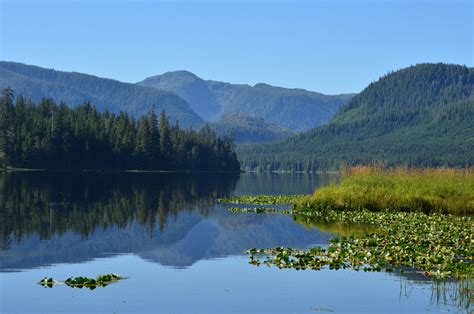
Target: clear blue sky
326, 46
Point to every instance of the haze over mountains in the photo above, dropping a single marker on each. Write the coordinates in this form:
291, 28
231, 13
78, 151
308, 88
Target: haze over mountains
265, 112
294, 109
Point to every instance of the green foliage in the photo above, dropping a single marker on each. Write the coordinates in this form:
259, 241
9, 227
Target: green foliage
75, 88
83, 282
53, 136
262, 199
258, 210
419, 116
7, 121
293, 109
375, 189
47, 282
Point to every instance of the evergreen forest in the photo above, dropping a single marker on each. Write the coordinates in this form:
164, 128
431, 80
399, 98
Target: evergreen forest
50, 135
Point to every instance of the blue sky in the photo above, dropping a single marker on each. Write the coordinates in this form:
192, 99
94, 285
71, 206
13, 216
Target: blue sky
326, 46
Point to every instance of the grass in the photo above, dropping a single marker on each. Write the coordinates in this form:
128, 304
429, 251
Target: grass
439, 190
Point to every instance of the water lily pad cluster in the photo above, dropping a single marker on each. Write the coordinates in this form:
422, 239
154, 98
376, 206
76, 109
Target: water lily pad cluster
47, 282
437, 245
83, 282
263, 199
253, 210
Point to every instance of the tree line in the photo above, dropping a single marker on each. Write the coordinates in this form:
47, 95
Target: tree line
49, 135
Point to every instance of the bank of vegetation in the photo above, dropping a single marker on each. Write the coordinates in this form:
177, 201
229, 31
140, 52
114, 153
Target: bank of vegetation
435, 190
395, 218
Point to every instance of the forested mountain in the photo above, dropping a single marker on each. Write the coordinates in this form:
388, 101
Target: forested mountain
53, 136
418, 116
76, 88
294, 109
246, 128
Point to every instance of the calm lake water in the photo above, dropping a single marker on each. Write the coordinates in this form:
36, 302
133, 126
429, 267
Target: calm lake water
182, 251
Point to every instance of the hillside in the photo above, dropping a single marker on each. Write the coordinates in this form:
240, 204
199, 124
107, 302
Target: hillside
418, 116
293, 109
246, 128
76, 88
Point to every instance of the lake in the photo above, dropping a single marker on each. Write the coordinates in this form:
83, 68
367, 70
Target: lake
181, 250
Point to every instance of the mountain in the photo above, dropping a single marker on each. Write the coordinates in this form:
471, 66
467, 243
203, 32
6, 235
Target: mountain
75, 88
418, 116
191, 88
246, 128
293, 109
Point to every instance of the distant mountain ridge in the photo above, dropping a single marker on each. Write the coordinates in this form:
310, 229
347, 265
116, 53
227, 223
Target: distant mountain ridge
293, 109
75, 88
185, 97
418, 116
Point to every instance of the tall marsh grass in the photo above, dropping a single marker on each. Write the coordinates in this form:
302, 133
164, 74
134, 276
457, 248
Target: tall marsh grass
440, 190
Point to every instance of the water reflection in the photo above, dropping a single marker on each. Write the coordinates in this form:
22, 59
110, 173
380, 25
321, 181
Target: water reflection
171, 219
132, 222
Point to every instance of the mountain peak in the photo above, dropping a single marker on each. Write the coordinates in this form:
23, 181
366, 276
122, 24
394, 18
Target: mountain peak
175, 77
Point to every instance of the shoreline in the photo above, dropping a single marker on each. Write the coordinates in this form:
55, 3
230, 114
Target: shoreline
163, 171
114, 170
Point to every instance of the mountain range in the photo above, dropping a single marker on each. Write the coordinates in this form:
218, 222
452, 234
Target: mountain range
293, 109
269, 112
417, 116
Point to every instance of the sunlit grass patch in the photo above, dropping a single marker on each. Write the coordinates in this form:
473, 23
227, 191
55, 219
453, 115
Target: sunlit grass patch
439, 190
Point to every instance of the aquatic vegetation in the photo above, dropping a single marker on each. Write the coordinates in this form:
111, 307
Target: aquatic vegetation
376, 232
252, 210
440, 190
263, 199
47, 282
437, 245
83, 282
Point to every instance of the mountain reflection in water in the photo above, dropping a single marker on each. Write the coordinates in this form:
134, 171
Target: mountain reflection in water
169, 218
